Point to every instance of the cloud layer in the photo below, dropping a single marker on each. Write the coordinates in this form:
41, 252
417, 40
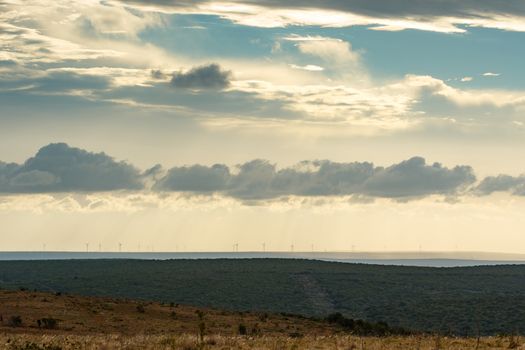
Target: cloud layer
60, 168
259, 179
433, 15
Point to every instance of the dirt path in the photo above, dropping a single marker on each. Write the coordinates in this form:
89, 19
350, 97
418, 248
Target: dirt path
319, 299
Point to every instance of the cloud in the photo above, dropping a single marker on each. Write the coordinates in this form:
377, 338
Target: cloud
308, 67
196, 178
60, 168
328, 49
203, 77
466, 79
259, 179
414, 177
449, 16
490, 74
502, 183
337, 55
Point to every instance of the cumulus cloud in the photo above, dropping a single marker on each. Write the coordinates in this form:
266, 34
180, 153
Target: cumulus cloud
203, 77
414, 177
259, 179
502, 183
58, 167
329, 49
196, 178
337, 55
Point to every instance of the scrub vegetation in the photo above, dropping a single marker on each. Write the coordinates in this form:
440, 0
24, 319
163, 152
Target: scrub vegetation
468, 301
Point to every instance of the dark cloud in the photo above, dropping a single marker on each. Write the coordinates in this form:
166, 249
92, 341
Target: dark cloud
196, 178
259, 179
414, 10
202, 77
502, 183
157, 74
414, 177
60, 168
406, 8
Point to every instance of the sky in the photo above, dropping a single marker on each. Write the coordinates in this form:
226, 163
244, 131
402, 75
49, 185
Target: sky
378, 125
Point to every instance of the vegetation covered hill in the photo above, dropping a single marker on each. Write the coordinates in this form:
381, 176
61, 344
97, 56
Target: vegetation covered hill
465, 301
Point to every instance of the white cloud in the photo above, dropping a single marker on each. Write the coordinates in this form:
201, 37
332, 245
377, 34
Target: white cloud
490, 74
308, 67
330, 50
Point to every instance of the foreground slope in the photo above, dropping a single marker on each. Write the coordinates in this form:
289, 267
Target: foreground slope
45, 321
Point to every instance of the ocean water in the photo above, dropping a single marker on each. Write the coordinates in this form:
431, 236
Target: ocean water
406, 259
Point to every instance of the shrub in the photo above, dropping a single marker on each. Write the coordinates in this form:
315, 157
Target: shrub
14, 321
242, 329
47, 323
360, 327
141, 309
295, 335
34, 346
263, 317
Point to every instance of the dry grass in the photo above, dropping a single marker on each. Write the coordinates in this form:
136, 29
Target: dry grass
92, 315
192, 342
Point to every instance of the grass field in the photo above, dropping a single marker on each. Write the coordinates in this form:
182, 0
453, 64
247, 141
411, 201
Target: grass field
465, 301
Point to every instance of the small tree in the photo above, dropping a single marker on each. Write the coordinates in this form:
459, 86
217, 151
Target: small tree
242, 329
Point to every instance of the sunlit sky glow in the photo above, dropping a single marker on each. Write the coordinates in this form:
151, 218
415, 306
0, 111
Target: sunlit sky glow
191, 125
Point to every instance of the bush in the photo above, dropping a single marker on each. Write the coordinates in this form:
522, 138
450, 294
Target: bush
14, 321
34, 346
47, 323
141, 309
242, 329
360, 327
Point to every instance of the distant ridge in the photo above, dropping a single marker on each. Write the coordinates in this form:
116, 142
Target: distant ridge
427, 259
